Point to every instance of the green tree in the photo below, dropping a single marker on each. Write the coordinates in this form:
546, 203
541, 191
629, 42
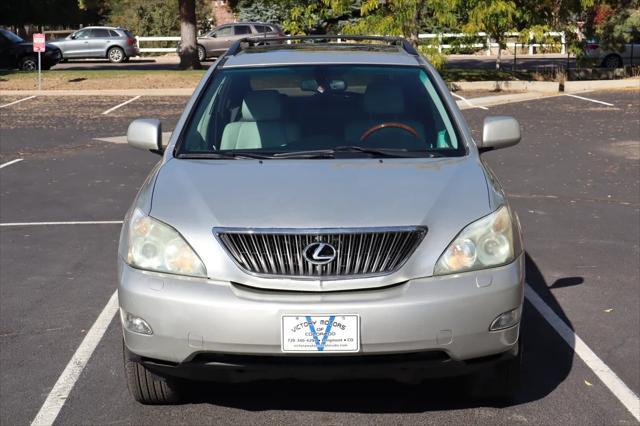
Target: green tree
41, 13
153, 17
260, 11
146, 17
495, 17
620, 28
399, 17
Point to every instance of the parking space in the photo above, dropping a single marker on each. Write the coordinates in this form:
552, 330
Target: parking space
573, 180
47, 125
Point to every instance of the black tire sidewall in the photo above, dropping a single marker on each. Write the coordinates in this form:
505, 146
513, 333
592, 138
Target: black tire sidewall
145, 386
26, 59
609, 60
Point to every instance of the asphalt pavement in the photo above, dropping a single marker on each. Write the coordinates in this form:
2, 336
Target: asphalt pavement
574, 181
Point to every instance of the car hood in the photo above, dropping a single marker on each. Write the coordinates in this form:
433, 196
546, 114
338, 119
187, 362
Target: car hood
442, 194
317, 193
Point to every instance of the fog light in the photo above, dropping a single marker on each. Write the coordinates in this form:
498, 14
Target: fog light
506, 320
135, 324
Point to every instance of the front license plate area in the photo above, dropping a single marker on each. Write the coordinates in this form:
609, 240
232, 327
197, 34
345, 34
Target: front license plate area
321, 333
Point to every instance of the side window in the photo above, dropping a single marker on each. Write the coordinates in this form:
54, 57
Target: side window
82, 34
113, 34
224, 32
242, 29
3, 41
261, 28
99, 33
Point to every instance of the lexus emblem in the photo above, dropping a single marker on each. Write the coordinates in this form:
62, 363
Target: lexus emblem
319, 253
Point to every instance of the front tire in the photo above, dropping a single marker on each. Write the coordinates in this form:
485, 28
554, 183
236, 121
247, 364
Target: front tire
146, 387
28, 63
202, 53
115, 55
500, 383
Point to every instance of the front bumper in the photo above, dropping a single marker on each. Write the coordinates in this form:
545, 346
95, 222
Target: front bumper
404, 367
195, 318
51, 57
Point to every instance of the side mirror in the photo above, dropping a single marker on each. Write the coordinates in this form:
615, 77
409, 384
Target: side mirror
146, 134
499, 132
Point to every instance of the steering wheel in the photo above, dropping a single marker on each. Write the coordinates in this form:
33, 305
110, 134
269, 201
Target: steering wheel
387, 124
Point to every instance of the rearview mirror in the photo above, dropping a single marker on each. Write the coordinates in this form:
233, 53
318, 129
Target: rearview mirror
499, 132
145, 134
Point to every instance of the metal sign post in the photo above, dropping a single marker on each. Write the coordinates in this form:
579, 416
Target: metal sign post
39, 47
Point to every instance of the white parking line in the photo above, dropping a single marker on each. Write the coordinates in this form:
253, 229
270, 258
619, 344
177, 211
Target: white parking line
8, 163
60, 392
589, 99
121, 105
94, 222
466, 101
610, 379
18, 101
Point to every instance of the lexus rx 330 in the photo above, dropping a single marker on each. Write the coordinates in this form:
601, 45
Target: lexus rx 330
321, 211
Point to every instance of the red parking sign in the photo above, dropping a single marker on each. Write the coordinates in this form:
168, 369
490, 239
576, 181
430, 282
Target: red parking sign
38, 42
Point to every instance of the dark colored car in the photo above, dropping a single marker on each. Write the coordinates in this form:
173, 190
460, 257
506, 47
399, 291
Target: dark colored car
17, 53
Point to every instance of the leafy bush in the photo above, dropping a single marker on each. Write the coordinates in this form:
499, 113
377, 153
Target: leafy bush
436, 58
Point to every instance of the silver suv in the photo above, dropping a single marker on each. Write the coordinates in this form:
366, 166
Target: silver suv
320, 211
115, 44
217, 41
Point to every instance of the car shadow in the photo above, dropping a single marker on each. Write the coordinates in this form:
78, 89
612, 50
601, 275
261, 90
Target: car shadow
547, 361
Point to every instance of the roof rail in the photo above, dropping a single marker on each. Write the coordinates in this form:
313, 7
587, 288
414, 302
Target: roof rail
241, 44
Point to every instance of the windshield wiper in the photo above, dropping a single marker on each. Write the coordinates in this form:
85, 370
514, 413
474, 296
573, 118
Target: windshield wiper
388, 152
315, 153
377, 152
230, 155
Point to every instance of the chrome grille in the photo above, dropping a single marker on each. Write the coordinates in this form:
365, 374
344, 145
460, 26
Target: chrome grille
358, 252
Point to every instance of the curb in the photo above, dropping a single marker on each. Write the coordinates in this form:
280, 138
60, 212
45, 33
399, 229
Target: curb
584, 86
545, 86
519, 86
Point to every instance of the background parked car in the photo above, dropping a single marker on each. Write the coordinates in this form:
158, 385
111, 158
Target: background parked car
218, 40
18, 53
115, 44
613, 59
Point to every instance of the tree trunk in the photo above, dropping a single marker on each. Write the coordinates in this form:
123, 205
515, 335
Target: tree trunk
499, 54
415, 24
188, 35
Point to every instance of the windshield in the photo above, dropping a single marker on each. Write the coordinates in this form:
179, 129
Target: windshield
11, 36
320, 110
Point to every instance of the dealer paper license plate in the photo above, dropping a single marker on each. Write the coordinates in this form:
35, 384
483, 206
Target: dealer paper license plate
321, 333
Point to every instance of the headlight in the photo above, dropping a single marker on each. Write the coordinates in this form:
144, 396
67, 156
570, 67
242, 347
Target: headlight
156, 246
483, 244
